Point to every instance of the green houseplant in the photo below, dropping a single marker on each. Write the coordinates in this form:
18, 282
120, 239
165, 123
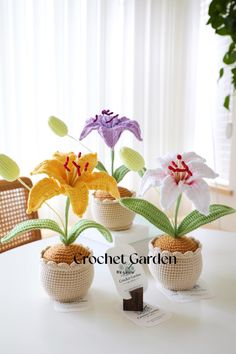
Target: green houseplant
176, 175
222, 18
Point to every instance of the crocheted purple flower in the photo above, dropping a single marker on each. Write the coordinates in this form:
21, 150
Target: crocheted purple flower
110, 127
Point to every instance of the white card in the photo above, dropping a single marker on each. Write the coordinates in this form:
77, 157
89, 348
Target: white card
149, 317
80, 305
126, 275
198, 292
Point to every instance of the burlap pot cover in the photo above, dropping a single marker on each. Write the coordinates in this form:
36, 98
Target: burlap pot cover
111, 214
64, 282
180, 276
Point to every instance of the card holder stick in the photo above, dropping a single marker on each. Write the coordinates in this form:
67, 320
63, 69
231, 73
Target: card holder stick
136, 301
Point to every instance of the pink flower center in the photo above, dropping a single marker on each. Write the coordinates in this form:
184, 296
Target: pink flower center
179, 170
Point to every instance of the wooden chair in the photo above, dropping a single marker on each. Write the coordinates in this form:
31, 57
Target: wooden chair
13, 205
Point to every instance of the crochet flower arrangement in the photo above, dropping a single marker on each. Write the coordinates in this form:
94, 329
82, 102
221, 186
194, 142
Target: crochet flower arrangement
110, 127
68, 174
176, 175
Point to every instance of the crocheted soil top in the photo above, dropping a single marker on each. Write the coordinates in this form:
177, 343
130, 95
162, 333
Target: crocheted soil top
65, 254
179, 244
102, 195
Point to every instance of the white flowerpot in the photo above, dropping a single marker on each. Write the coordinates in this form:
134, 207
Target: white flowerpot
64, 282
111, 214
180, 276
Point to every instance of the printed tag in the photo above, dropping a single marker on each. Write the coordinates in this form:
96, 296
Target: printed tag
198, 292
149, 317
81, 305
126, 272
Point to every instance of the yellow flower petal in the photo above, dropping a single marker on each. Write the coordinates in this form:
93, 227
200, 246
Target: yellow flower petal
91, 159
102, 181
52, 168
42, 191
79, 196
61, 156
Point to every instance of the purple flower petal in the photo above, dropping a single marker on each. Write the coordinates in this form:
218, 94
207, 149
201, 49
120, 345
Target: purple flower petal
91, 124
110, 127
111, 136
133, 127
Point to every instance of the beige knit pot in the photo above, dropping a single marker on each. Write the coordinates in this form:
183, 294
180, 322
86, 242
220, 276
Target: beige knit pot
180, 276
66, 282
111, 214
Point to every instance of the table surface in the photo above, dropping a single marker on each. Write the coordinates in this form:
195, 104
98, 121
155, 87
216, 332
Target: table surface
30, 325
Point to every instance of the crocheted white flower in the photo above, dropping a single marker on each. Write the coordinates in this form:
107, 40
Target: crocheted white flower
178, 174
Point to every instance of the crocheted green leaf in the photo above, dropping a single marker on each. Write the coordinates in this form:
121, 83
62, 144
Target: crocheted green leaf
101, 167
29, 225
120, 173
149, 212
194, 220
87, 224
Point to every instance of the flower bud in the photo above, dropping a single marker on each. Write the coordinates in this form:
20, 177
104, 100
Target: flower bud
132, 159
9, 170
58, 126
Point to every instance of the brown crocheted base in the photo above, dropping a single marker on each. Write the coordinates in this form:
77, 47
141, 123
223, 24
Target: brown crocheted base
124, 192
65, 254
179, 244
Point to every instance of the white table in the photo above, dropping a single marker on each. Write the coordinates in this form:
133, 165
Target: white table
30, 325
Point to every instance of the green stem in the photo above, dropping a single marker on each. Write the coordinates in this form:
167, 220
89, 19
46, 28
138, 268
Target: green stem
177, 211
112, 161
78, 141
142, 171
48, 205
67, 216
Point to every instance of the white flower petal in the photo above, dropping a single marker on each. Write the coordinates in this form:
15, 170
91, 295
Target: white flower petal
198, 193
201, 170
151, 178
169, 192
165, 161
192, 156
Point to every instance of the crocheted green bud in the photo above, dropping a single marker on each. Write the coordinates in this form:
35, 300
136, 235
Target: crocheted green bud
9, 170
58, 126
132, 159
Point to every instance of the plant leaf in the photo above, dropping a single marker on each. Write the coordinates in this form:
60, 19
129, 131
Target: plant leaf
87, 224
149, 212
33, 224
194, 220
120, 173
101, 167
221, 73
227, 102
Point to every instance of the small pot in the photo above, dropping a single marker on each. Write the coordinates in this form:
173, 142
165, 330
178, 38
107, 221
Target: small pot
111, 214
180, 276
66, 282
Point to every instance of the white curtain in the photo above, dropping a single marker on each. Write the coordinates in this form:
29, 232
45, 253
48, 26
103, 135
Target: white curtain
72, 58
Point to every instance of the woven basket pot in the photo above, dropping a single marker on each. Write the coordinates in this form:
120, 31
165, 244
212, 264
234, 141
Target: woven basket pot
180, 276
111, 214
66, 282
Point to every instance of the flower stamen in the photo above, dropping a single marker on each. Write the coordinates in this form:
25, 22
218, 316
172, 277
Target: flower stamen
77, 167
66, 164
86, 166
180, 171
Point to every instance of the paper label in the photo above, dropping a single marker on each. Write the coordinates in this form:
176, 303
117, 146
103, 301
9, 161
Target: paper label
198, 292
149, 317
126, 275
81, 305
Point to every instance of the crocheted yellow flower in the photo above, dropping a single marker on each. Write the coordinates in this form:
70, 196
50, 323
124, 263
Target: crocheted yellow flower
73, 176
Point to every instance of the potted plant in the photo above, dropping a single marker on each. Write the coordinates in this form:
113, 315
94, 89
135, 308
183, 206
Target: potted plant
65, 273
176, 175
105, 209
222, 18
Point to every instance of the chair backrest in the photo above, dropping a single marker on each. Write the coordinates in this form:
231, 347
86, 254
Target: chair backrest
13, 205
